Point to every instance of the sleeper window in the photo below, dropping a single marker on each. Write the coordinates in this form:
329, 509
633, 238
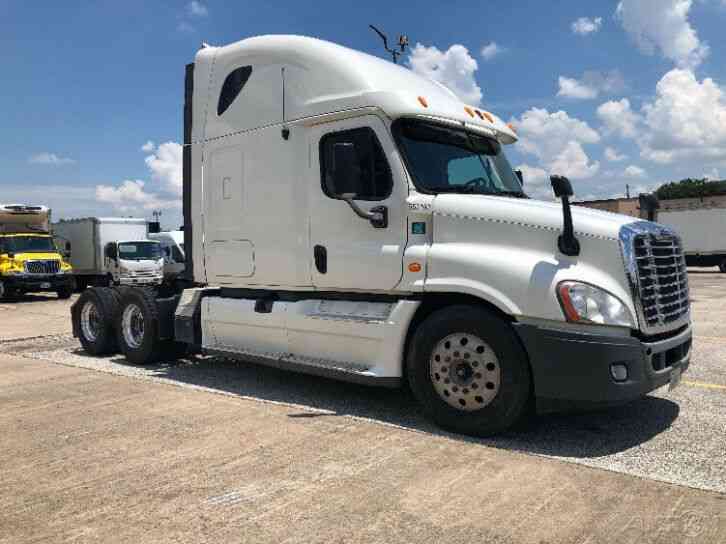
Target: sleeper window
232, 86
352, 161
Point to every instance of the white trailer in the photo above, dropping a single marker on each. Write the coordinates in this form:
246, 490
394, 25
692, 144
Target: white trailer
703, 234
348, 218
110, 251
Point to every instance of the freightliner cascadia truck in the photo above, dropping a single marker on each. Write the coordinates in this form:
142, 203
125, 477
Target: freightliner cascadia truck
29, 259
348, 218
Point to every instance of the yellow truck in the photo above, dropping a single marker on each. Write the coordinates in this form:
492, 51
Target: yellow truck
29, 259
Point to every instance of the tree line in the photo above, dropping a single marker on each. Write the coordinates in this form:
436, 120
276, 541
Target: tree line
691, 188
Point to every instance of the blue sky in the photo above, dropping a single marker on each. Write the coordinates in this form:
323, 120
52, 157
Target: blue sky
633, 93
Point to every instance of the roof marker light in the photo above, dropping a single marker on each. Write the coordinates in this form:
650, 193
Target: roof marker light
489, 117
511, 127
468, 110
423, 102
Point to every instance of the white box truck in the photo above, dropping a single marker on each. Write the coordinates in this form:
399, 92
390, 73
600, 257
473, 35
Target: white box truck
348, 218
110, 251
703, 232
172, 249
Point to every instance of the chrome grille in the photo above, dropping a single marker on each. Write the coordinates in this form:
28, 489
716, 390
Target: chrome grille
42, 267
662, 280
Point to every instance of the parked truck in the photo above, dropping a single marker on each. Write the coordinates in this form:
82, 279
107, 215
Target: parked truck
348, 218
29, 260
172, 249
703, 232
110, 251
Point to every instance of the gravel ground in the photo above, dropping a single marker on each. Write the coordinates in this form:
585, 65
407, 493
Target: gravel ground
675, 437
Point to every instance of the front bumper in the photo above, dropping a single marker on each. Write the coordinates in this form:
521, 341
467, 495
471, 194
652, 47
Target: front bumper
141, 280
572, 370
34, 283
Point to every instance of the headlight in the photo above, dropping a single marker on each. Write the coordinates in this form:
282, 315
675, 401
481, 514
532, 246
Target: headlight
584, 303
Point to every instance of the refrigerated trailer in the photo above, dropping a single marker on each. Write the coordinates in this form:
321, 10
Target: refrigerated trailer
703, 233
110, 251
348, 218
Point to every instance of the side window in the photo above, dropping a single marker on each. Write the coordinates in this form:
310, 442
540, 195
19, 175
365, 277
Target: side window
352, 161
232, 86
176, 255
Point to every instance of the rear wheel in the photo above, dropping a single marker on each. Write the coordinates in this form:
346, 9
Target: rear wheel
94, 315
137, 329
468, 371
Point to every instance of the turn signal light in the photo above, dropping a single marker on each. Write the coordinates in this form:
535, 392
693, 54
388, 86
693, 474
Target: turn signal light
414, 267
423, 102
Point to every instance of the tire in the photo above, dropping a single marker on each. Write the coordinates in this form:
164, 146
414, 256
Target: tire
137, 329
94, 317
722, 265
492, 371
64, 293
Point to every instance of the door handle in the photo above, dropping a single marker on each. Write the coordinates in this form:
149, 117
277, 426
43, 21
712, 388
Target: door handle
321, 259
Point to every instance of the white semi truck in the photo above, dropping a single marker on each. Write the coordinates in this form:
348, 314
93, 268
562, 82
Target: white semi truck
348, 218
110, 251
703, 232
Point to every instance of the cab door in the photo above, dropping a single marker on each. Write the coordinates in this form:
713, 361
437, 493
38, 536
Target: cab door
355, 159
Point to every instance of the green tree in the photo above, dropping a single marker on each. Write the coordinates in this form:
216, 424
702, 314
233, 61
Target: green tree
691, 188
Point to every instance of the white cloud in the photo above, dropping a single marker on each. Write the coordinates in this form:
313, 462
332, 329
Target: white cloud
533, 175
613, 156
663, 25
148, 147
133, 196
618, 117
453, 68
634, 172
591, 84
197, 9
685, 120
572, 88
557, 139
49, 158
165, 165
586, 25
491, 50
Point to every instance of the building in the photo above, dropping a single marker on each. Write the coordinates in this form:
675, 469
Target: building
632, 206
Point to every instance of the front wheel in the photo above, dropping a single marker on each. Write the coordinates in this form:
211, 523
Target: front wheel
468, 370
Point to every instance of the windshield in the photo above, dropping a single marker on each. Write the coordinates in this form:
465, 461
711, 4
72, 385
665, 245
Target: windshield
27, 244
444, 159
139, 251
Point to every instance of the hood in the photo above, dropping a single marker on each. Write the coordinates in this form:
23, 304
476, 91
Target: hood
529, 212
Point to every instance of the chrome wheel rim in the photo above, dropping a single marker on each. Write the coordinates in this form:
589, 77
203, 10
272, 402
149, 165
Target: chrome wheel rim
132, 326
465, 371
90, 321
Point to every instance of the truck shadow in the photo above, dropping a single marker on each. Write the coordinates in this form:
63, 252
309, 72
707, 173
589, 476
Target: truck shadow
582, 435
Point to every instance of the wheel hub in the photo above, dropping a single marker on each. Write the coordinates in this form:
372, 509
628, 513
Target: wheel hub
132, 326
465, 371
90, 321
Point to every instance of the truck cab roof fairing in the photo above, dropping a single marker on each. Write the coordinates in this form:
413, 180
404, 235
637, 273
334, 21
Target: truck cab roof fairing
321, 77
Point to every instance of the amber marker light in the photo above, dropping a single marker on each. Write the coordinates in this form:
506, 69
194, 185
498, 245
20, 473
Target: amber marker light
423, 102
414, 267
511, 127
489, 116
563, 290
468, 110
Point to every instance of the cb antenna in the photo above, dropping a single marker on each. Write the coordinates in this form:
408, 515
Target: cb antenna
402, 44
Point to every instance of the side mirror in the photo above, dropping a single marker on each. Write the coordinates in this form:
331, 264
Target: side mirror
566, 243
378, 216
520, 176
561, 186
